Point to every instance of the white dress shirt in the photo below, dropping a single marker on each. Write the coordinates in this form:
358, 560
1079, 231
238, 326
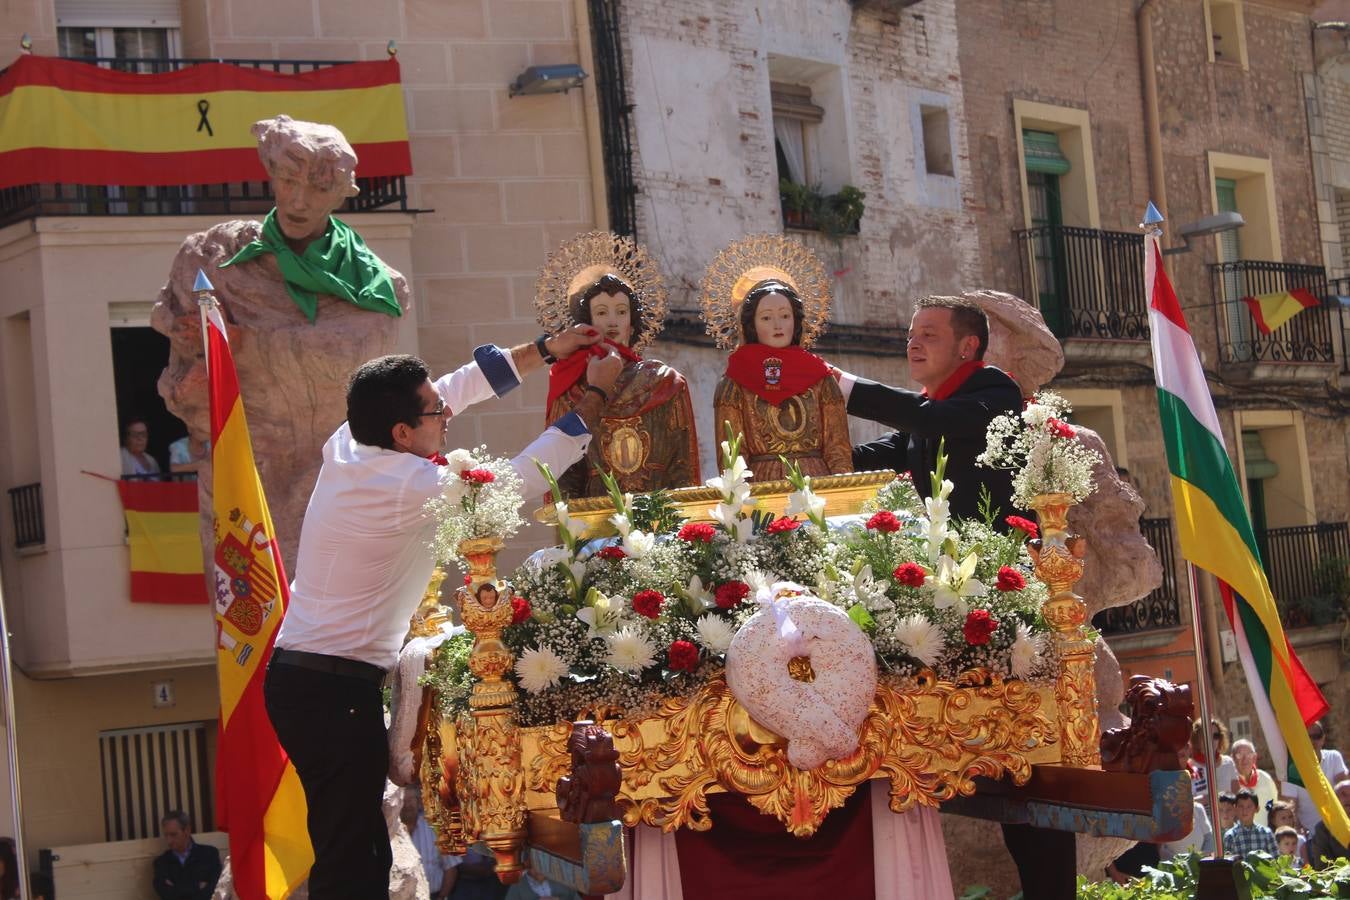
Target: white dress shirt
364, 560
1333, 766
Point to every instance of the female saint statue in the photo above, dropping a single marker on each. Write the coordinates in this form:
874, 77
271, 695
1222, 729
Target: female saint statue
646, 437
767, 298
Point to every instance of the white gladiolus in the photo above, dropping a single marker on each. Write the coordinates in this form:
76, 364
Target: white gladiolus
638, 544
621, 524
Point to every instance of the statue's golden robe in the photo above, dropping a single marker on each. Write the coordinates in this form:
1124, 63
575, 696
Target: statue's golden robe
810, 428
646, 435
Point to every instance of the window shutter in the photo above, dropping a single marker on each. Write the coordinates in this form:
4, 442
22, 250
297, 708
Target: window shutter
118, 14
793, 101
1041, 149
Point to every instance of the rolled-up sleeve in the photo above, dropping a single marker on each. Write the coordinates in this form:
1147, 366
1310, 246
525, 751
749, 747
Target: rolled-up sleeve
491, 374
562, 444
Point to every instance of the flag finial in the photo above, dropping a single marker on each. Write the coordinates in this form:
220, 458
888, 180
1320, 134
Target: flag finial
202, 283
1151, 215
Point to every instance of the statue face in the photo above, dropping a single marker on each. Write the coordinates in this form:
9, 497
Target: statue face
303, 208
773, 321
612, 314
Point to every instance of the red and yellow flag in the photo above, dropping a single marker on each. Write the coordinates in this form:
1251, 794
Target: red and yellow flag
1272, 310
69, 122
261, 801
166, 546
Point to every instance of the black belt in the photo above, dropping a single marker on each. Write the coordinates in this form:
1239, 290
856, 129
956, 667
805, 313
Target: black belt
332, 665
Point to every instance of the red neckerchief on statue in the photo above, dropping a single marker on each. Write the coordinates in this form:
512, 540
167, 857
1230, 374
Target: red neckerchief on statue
775, 373
955, 380
566, 372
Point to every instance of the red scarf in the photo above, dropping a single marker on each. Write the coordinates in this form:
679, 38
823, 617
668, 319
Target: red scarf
775, 373
955, 380
566, 372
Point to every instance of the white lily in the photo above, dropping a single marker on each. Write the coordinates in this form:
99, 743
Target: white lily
806, 503
638, 544
868, 591
575, 528
577, 569
601, 617
699, 596
954, 582
549, 557
621, 524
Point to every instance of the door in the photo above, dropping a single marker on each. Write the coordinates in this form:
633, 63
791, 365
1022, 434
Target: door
1236, 315
1048, 249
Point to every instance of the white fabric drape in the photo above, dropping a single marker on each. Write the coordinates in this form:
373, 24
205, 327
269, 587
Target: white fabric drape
789, 134
909, 856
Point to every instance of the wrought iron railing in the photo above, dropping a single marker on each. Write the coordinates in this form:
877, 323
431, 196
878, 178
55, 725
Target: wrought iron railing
1340, 289
615, 116
1308, 567
1306, 338
1087, 282
241, 197
25, 502
1162, 607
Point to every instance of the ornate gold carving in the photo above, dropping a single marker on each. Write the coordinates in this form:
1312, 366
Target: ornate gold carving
843, 494
430, 614
1058, 557
930, 742
581, 261
750, 260
799, 668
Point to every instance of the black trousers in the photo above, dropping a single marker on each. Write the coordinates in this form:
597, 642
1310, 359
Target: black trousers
332, 727
1047, 861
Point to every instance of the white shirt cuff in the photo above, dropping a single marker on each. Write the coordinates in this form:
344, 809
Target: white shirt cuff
846, 382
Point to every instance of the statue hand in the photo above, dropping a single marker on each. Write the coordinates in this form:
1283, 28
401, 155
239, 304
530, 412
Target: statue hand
603, 371
566, 343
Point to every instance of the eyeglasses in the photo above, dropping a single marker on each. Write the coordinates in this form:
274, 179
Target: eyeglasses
1319, 736
438, 411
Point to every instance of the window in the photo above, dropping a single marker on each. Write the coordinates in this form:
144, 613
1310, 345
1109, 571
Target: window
1227, 41
1103, 411
937, 140
810, 123
126, 31
148, 772
795, 120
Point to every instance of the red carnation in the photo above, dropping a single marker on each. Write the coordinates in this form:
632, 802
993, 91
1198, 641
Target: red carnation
520, 610
1009, 579
730, 594
468, 580
478, 476
696, 531
648, 603
884, 521
682, 657
1022, 524
438, 459
910, 574
613, 553
779, 526
1060, 428
979, 627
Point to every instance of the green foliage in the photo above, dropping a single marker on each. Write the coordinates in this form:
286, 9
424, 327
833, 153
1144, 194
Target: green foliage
796, 197
806, 206
448, 673
1262, 875
655, 513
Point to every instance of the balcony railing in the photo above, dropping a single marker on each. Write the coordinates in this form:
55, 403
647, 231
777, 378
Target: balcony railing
1308, 567
241, 197
1340, 289
1162, 607
1088, 283
25, 502
1306, 338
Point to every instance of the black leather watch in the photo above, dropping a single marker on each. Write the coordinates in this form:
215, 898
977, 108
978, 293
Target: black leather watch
541, 344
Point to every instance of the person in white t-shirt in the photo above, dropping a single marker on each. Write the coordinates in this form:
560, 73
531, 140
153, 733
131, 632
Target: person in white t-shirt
363, 564
1333, 766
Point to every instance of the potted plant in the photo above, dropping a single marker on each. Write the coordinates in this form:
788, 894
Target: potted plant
797, 200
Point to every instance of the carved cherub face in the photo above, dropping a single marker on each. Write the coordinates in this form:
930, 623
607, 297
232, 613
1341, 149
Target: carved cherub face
613, 315
774, 322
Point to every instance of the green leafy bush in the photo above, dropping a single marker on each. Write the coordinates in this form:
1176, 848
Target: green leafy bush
1264, 877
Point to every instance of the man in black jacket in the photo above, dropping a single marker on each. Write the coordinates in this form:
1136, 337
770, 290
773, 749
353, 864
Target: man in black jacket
187, 870
960, 397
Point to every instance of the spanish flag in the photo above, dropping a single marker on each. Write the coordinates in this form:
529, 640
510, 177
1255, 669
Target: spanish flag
69, 122
261, 802
166, 546
1272, 310
1216, 535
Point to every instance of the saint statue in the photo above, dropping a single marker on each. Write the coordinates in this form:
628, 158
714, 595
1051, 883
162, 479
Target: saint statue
646, 436
767, 298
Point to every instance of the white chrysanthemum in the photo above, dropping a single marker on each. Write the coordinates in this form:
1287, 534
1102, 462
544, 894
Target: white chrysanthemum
921, 638
714, 633
539, 668
1026, 651
629, 651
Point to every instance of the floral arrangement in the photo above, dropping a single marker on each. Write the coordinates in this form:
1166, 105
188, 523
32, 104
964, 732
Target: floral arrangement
481, 498
1043, 449
619, 624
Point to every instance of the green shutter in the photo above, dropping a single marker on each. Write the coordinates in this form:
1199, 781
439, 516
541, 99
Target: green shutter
1041, 149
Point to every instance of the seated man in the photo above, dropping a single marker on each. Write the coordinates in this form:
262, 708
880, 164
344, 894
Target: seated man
535, 885
1323, 844
187, 870
363, 565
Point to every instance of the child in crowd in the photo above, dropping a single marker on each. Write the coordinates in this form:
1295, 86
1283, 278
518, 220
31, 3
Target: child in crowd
1227, 811
1282, 818
1290, 844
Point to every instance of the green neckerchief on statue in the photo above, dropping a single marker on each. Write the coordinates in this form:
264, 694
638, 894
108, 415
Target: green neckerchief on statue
339, 264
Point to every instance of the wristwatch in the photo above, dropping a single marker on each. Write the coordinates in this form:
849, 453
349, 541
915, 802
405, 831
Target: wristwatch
541, 344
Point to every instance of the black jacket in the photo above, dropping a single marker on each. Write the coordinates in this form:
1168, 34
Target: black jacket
922, 422
194, 879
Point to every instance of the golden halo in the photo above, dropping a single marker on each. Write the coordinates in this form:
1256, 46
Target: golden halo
745, 263
582, 260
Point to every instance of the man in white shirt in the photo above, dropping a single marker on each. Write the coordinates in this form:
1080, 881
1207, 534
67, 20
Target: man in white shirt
1333, 766
362, 567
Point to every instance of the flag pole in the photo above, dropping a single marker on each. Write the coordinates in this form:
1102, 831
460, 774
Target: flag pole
203, 289
12, 750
